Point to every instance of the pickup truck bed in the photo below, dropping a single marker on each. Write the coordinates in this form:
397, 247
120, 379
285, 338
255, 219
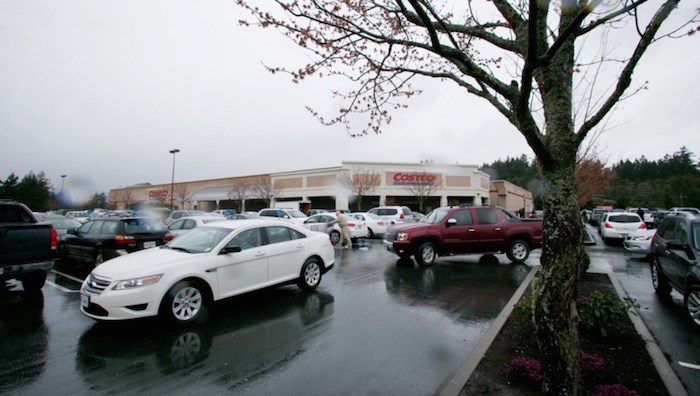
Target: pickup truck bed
27, 247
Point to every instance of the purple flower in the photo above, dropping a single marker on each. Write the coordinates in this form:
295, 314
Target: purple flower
614, 390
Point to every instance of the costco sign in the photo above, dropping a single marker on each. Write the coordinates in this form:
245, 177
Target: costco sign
158, 194
403, 179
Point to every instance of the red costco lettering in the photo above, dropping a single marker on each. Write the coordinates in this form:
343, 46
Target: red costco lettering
408, 178
158, 194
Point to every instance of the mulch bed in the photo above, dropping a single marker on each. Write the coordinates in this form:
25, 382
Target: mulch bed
627, 361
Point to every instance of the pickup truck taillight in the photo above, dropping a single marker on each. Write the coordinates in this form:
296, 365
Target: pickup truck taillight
54, 239
125, 240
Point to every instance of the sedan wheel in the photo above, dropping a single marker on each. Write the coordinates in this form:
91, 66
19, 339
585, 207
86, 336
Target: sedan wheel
185, 302
692, 304
310, 275
335, 237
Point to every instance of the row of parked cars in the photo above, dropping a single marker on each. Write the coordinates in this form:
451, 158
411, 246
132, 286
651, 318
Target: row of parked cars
671, 246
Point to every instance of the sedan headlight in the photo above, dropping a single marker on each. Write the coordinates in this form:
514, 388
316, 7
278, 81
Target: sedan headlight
137, 282
402, 236
640, 238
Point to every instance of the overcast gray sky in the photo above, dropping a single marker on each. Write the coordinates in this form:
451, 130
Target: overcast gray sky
101, 91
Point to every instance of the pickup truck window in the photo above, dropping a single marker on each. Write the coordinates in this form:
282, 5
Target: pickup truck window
486, 216
13, 214
463, 217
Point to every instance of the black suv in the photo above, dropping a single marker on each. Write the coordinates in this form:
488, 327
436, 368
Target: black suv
674, 261
108, 237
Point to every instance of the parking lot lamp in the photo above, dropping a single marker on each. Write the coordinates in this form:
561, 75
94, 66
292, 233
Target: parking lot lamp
172, 180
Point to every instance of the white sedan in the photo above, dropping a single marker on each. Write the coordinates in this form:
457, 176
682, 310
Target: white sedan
375, 224
639, 241
319, 222
182, 278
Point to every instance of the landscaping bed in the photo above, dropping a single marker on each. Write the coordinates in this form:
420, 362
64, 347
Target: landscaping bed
613, 364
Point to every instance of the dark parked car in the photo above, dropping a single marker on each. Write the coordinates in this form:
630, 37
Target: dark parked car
674, 261
108, 237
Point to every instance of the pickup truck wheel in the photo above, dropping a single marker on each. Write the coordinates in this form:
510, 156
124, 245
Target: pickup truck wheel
518, 251
34, 281
691, 302
426, 254
658, 280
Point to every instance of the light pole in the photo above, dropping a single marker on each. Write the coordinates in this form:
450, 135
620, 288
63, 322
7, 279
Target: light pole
63, 180
172, 181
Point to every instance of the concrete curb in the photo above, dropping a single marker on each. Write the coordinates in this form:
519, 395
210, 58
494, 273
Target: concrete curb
673, 384
455, 385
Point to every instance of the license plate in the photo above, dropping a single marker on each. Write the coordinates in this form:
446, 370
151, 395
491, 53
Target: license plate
149, 244
84, 300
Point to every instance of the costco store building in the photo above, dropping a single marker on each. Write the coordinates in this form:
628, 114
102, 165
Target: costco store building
357, 186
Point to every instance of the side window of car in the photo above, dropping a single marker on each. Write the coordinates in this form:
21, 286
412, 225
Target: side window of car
96, 228
682, 233
373, 210
175, 225
463, 217
84, 228
406, 211
188, 224
486, 216
668, 229
109, 227
247, 239
277, 234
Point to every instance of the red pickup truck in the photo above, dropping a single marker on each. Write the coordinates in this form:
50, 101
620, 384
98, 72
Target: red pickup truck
465, 230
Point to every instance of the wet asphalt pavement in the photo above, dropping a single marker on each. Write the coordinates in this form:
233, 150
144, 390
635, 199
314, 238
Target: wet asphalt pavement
375, 326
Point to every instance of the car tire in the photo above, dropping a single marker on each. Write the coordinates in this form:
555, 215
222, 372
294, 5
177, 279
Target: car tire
518, 251
310, 276
426, 254
335, 237
185, 302
691, 302
658, 280
34, 281
99, 258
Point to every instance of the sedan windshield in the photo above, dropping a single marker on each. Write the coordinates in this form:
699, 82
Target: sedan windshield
199, 240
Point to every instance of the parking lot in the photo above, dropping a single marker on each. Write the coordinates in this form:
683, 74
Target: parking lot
374, 326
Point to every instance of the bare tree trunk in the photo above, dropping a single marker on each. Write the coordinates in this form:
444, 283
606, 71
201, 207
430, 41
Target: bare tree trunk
563, 261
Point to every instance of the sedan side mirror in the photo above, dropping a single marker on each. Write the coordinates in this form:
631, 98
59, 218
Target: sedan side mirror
230, 249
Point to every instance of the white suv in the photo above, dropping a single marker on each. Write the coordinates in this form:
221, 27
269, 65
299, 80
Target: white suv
393, 214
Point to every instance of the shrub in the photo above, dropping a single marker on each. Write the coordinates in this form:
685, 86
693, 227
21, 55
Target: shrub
592, 366
614, 390
524, 370
526, 305
602, 314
